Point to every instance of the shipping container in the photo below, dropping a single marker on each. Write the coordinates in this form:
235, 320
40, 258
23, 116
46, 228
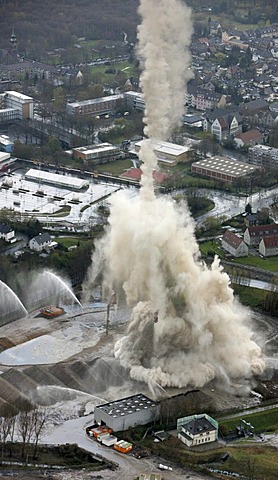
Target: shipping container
109, 441
102, 436
123, 447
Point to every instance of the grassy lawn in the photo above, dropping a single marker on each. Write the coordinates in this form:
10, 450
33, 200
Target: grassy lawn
263, 422
115, 168
242, 458
124, 67
69, 241
270, 263
211, 248
249, 296
252, 461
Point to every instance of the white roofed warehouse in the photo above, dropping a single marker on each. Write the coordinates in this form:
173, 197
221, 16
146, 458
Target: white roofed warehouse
223, 169
65, 181
127, 412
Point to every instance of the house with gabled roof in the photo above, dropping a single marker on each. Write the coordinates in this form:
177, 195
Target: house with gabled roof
222, 123
251, 137
234, 244
197, 430
268, 246
41, 242
253, 235
254, 106
6, 232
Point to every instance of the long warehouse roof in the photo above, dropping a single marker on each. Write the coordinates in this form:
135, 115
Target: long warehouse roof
62, 180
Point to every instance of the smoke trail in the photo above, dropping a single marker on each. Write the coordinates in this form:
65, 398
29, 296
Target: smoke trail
164, 37
186, 327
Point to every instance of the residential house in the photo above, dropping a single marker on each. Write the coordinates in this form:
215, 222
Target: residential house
251, 220
7, 233
203, 99
268, 246
222, 123
249, 109
233, 244
197, 430
253, 235
41, 242
250, 138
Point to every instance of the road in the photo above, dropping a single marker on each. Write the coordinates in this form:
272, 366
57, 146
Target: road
231, 205
73, 431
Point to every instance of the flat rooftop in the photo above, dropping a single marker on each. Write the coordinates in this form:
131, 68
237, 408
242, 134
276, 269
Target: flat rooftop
55, 178
226, 165
19, 95
166, 148
101, 147
126, 406
96, 100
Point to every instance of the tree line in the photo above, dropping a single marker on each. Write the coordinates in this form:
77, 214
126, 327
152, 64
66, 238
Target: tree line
25, 427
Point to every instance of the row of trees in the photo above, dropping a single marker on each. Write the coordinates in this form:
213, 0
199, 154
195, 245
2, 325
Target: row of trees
26, 427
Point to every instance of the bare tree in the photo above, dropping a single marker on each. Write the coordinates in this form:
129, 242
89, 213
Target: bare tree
5, 429
25, 428
39, 422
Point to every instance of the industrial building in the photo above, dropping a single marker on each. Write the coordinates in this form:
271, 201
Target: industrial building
15, 106
127, 412
223, 169
6, 144
64, 181
96, 154
167, 153
95, 106
4, 157
135, 100
197, 430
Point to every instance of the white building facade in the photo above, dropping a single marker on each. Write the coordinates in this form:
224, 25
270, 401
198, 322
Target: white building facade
197, 430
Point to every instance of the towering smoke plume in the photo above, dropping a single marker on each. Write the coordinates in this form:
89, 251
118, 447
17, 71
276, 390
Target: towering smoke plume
186, 327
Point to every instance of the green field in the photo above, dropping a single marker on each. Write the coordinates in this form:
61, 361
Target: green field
263, 422
69, 241
270, 263
115, 168
211, 248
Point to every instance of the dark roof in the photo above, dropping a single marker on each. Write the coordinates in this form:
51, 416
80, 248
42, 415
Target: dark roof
255, 105
263, 229
5, 229
198, 425
271, 241
232, 239
42, 238
222, 112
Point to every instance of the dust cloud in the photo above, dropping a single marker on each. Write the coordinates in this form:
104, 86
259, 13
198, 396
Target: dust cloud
186, 327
